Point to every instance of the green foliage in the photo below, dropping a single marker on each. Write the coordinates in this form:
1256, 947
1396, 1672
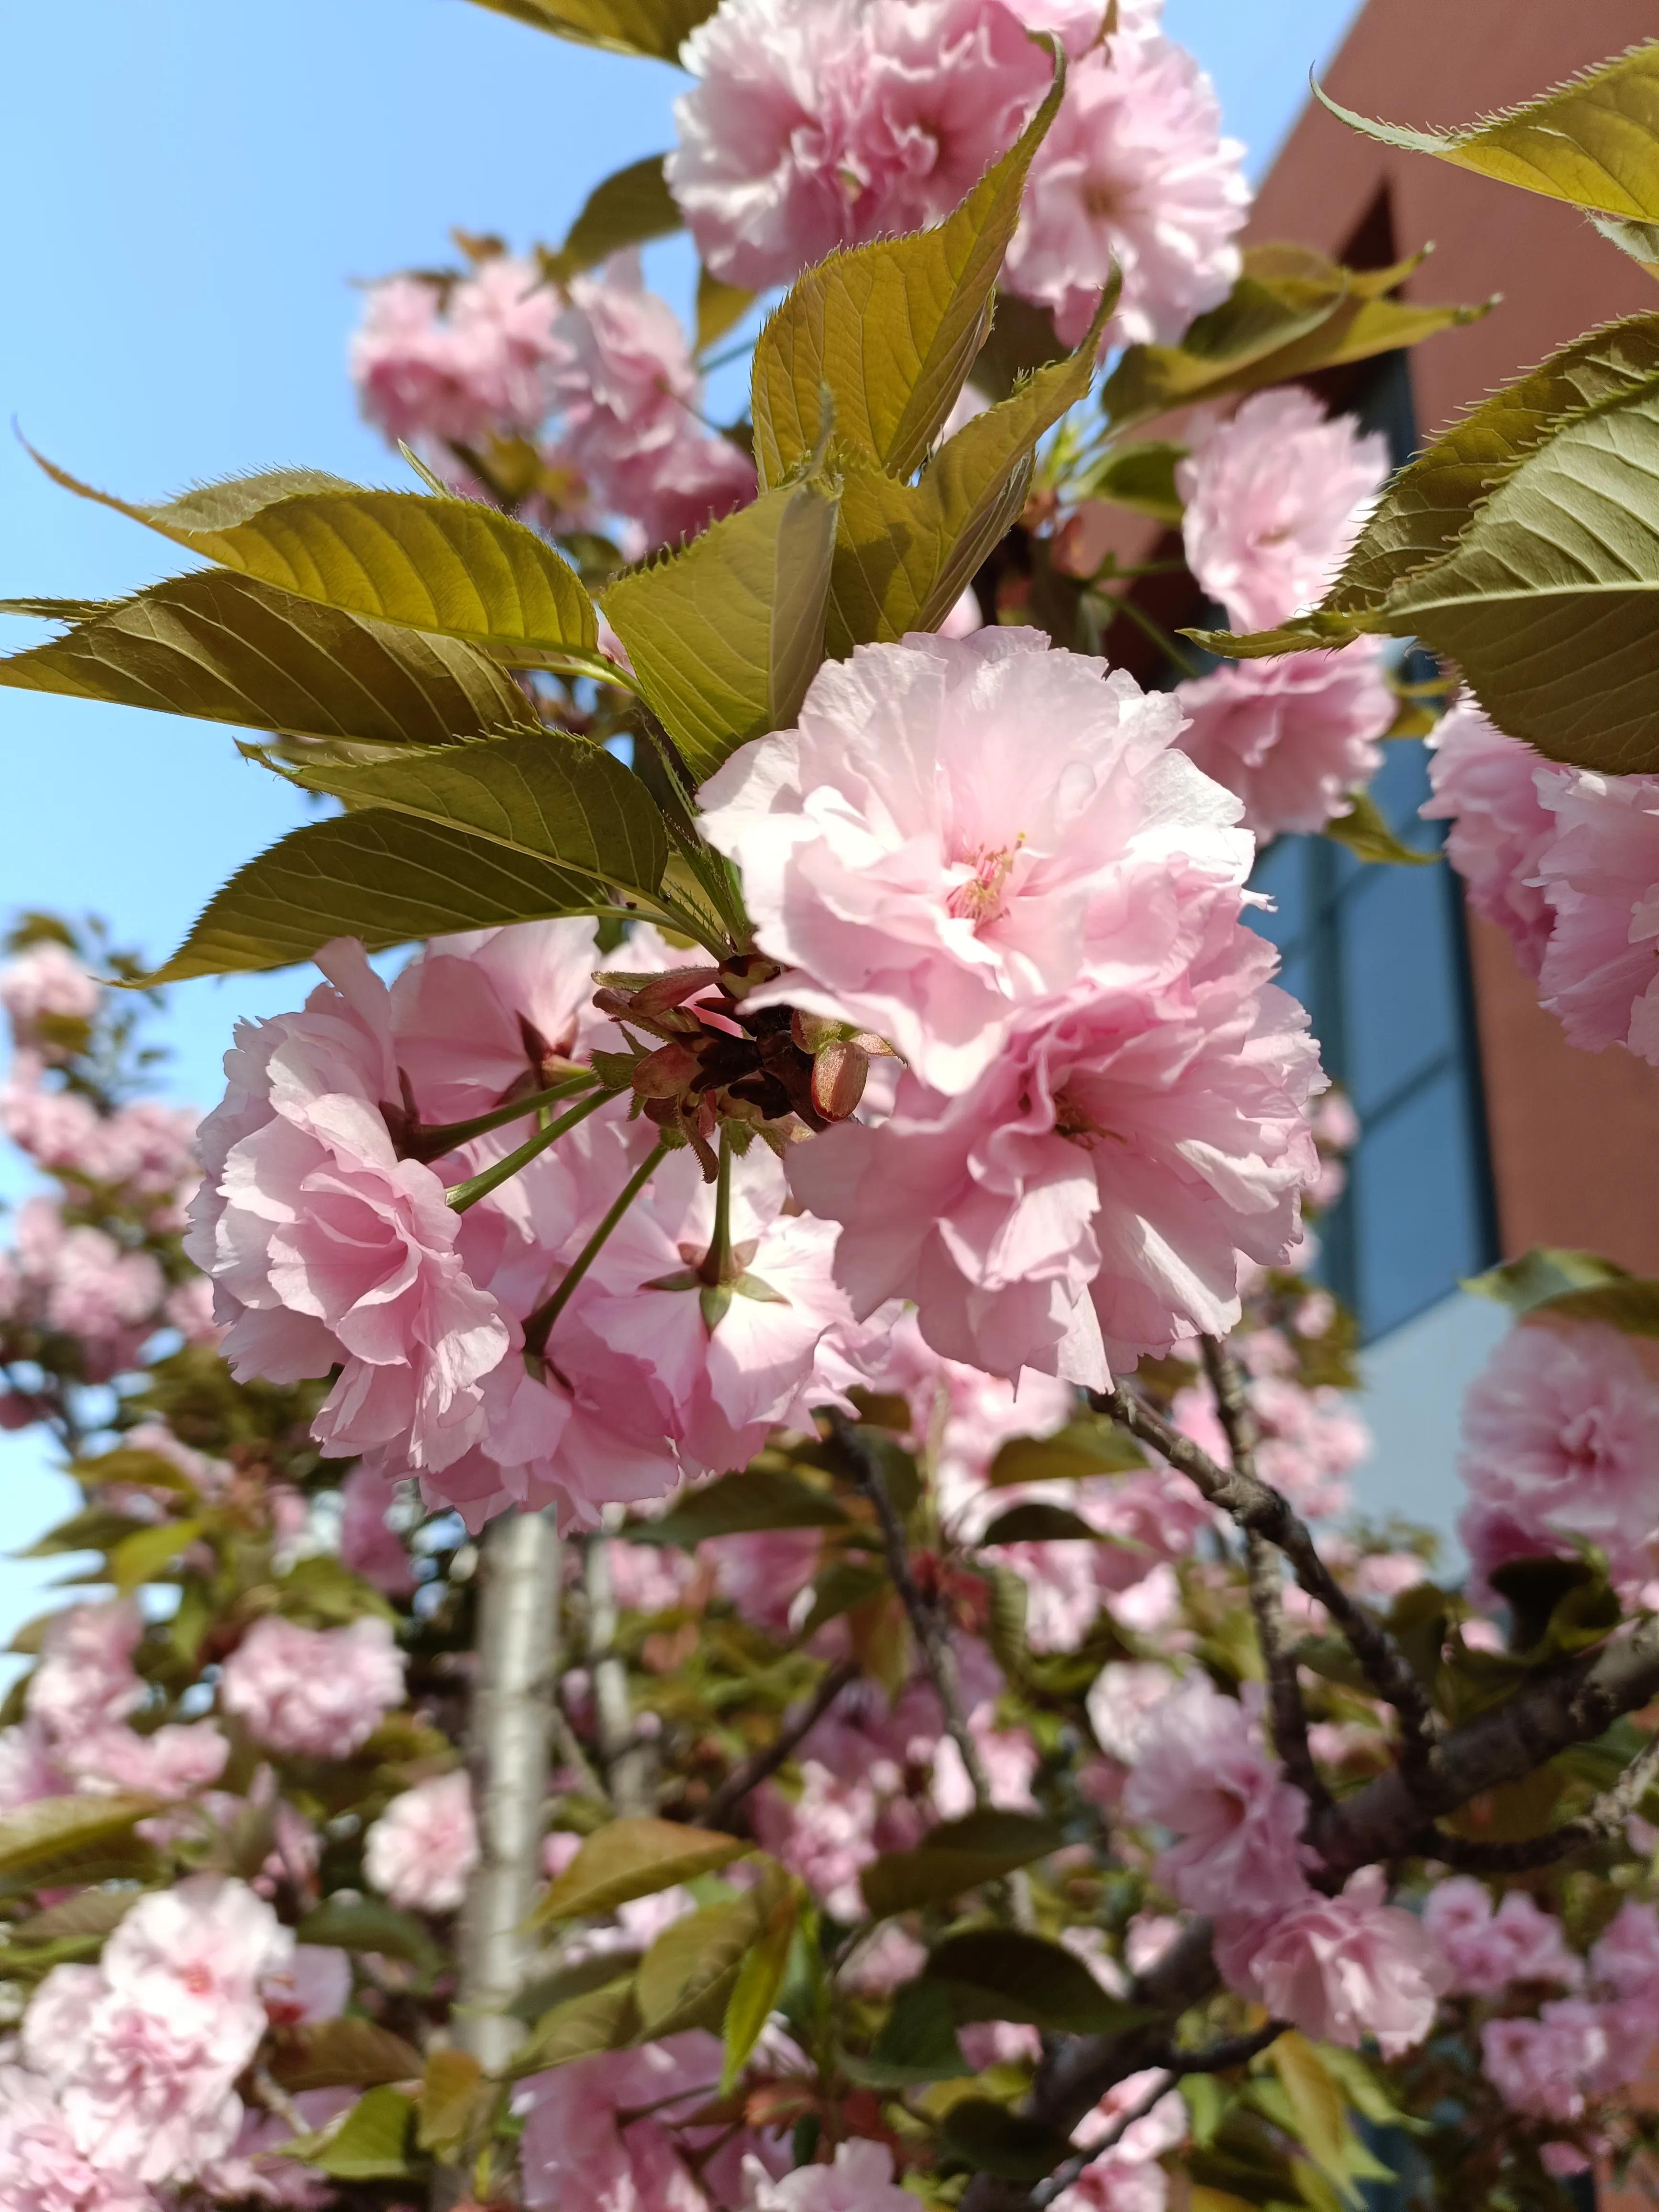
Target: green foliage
917, 2043
1087, 1446
988, 2138
450, 568
1364, 831
956, 1856
888, 330
1292, 312
363, 1923
725, 636
606, 2019
39, 1836
653, 27
1140, 476
690, 1971
1543, 1273
375, 2143
1002, 1973
720, 309
634, 1858
227, 648
1039, 1523
756, 1498
1592, 142
347, 2052
628, 208
760, 1978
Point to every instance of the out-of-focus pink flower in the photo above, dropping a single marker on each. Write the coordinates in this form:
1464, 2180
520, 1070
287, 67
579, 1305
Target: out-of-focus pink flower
827, 1835
1133, 173
1122, 1699
1545, 2067
312, 1982
629, 390
859, 2180
819, 123
1009, 1758
173, 1761
420, 1850
763, 1573
1626, 1957
460, 371
1600, 874
27, 1772
1295, 738
1560, 1433
1341, 1968
58, 1128
313, 1693
368, 1545
189, 1309
1486, 1950
1310, 1440
1275, 499
42, 2166
325, 1247
1148, 1937
890, 1957
647, 1577
1487, 785
955, 830
1128, 2177
1204, 1772
43, 984
255, 2170
1090, 1199
84, 1678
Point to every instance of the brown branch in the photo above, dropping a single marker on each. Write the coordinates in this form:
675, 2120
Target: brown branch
1260, 1510
930, 1631
717, 1813
1600, 1823
1289, 1715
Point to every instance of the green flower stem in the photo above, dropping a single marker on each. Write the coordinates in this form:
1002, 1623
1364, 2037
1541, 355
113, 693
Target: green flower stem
539, 1327
717, 1266
480, 1186
1154, 631
445, 1137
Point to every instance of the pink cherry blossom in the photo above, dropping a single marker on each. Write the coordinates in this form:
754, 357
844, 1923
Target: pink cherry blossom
1122, 1700
312, 1982
42, 2168
579, 2150
27, 1772
420, 1850
1090, 1199
85, 1678
1134, 171
1127, 2177
1204, 1772
1486, 1950
859, 2180
1545, 2067
1487, 786
827, 1835
819, 123
1275, 498
1560, 1433
313, 1693
1293, 737
461, 369
1309, 1440
1341, 1968
953, 831
1626, 1957
762, 1573
58, 1128
368, 1545
1600, 874
175, 1760
325, 1247
43, 984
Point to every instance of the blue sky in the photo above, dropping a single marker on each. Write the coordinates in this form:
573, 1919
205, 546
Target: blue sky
200, 184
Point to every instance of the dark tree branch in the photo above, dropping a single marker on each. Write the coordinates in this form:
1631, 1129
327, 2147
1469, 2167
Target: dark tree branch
931, 1633
1598, 1824
1289, 1715
1261, 1511
717, 1813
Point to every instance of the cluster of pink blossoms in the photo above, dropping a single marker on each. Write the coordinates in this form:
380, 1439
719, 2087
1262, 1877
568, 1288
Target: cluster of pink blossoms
597, 373
1275, 496
1566, 862
821, 123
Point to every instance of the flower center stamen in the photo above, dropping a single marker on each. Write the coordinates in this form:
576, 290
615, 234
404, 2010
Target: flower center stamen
979, 900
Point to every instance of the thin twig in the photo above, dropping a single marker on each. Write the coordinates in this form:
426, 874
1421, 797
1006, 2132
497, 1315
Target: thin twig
1289, 1715
930, 1631
718, 1812
1602, 1821
1257, 1507
1222, 2058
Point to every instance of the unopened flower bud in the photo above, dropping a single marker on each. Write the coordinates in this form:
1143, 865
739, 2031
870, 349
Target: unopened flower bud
838, 1078
811, 1032
666, 1072
661, 994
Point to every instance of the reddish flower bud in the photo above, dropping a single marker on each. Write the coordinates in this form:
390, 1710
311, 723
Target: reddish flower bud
838, 1080
666, 1072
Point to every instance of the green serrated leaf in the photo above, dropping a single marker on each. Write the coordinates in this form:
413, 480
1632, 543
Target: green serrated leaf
373, 2143
917, 2043
955, 1858
227, 648
688, 1975
656, 28
755, 1498
633, 1858
628, 208
760, 1978
1364, 831
1543, 1273
725, 635
41, 1835
1592, 142
889, 330
1003, 1973
1088, 1446
449, 567
606, 2019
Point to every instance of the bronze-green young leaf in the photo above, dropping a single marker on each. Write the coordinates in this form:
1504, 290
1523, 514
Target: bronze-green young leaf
628, 208
725, 636
627, 1859
451, 567
1592, 142
890, 330
387, 878
545, 797
1364, 829
653, 27
225, 648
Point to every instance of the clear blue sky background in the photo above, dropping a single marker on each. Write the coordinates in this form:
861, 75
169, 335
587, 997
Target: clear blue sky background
193, 186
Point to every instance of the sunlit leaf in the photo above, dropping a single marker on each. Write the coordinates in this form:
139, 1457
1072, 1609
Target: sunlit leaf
1543, 1273
606, 2019
760, 1978
373, 2143
653, 27
139, 1558
890, 330
449, 567
720, 309
725, 636
634, 1858
628, 208
956, 1856
1088, 1446
689, 1974
37, 1835
737, 1504
331, 2054
225, 648
454, 2097
1364, 829
1593, 141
